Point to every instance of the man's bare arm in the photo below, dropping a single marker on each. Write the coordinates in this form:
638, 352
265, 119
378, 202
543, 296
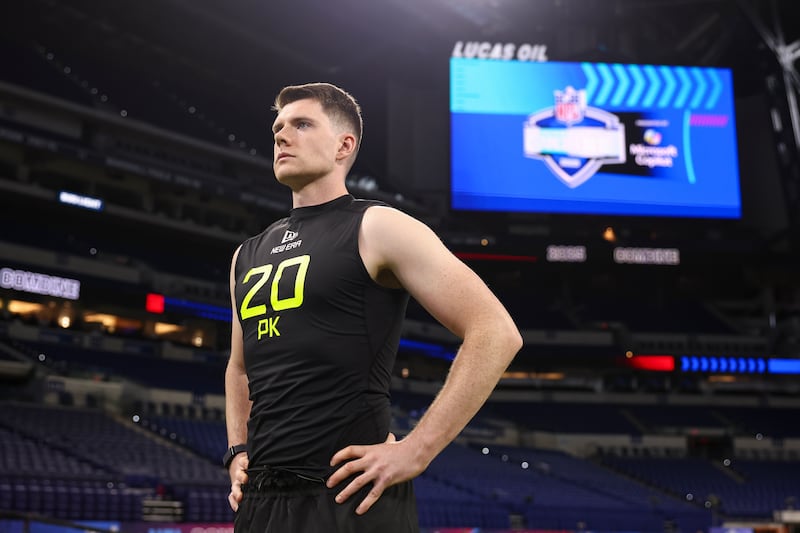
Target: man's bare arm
237, 399
398, 249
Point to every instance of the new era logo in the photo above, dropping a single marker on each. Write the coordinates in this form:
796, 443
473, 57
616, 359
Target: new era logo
289, 236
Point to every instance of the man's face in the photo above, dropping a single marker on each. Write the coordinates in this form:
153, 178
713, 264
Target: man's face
306, 143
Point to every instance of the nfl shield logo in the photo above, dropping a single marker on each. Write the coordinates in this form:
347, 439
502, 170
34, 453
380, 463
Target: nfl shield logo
574, 154
570, 105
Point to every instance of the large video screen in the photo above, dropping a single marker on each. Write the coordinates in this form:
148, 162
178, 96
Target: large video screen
593, 138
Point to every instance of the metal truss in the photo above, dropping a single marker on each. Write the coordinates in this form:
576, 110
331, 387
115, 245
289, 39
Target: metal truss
784, 105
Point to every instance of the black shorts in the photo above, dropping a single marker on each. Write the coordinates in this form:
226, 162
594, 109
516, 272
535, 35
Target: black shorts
296, 505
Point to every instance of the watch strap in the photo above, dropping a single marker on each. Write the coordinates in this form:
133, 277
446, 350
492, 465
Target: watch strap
232, 452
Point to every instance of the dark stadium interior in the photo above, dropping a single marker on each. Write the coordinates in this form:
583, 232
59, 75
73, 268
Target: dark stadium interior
646, 397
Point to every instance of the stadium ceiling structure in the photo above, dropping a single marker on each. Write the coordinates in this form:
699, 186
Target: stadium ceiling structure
234, 56
255, 47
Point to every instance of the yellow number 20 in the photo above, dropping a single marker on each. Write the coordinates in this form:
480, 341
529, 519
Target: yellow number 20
292, 302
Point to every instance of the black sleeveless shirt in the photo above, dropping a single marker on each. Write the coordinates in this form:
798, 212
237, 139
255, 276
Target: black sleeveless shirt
320, 338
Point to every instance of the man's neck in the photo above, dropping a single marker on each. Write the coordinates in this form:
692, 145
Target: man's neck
318, 192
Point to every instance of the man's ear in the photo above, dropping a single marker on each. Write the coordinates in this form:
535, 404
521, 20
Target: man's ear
347, 146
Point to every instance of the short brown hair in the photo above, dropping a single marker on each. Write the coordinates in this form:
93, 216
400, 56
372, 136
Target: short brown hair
338, 104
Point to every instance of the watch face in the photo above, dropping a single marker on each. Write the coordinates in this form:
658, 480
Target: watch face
228, 457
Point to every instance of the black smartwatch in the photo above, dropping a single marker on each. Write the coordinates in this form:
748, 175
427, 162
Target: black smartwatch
232, 452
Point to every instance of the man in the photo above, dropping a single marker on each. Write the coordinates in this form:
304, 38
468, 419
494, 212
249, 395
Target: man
318, 300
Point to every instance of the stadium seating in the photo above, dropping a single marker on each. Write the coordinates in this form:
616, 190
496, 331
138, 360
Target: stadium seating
744, 489
81, 464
